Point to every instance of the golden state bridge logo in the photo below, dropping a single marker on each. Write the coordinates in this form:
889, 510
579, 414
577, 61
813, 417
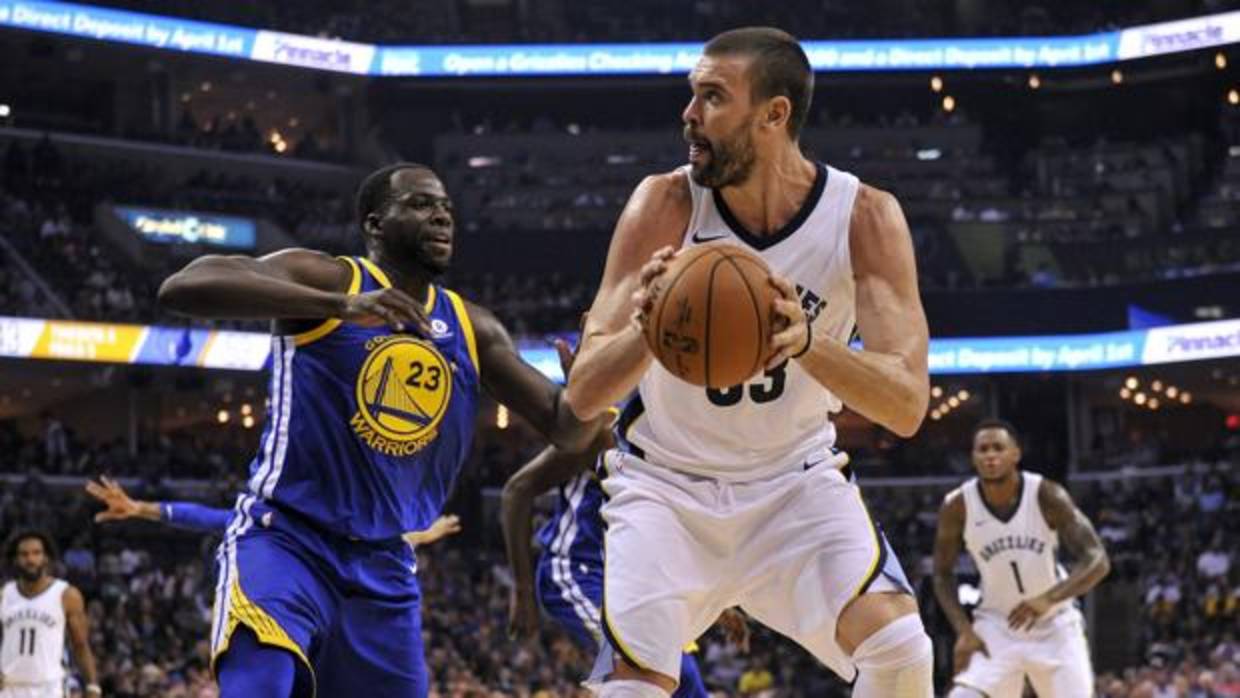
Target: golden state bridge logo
403, 391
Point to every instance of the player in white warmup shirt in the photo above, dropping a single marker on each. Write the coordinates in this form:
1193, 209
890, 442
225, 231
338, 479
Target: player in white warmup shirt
35, 610
736, 497
1027, 624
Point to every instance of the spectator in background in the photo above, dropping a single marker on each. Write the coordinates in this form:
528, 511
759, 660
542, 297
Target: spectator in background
1214, 562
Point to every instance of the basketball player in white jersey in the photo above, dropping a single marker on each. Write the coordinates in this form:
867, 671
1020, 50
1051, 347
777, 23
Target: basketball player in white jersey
34, 612
736, 497
1027, 623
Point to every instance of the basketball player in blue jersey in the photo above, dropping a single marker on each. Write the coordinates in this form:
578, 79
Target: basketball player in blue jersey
568, 582
192, 516
376, 375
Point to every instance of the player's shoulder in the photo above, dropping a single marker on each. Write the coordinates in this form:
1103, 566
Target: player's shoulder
69, 594
673, 185
873, 207
662, 194
486, 324
312, 267
953, 502
1050, 492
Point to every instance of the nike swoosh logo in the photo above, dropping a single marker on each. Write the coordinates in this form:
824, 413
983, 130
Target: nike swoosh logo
697, 237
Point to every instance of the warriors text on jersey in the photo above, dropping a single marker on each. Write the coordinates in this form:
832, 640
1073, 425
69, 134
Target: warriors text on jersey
34, 635
1016, 555
777, 419
368, 427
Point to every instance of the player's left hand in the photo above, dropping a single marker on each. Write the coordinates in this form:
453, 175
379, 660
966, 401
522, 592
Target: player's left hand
1027, 612
792, 335
119, 505
444, 526
735, 628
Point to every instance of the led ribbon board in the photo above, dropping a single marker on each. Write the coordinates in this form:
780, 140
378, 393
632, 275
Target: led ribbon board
532, 60
28, 338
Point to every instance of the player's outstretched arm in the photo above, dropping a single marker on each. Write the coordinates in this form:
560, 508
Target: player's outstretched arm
515, 383
613, 354
948, 541
292, 284
1080, 539
120, 506
549, 468
79, 639
888, 382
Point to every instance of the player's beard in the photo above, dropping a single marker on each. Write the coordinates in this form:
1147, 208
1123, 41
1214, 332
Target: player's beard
28, 575
415, 248
729, 163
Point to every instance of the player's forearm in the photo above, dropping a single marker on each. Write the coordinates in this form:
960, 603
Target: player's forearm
945, 592
85, 660
194, 517
880, 387
148, 510
1083, 578
217, 286
516, 514
607, 369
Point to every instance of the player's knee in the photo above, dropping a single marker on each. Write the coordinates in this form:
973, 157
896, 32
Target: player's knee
896, 661
633, 688
869, 613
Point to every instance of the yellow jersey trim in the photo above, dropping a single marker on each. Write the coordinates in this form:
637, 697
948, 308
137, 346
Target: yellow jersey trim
872, 569
385, 282
376, 272
327, 326
243, 611
467, 326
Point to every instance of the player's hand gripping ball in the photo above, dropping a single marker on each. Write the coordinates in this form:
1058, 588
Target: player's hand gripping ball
708, 315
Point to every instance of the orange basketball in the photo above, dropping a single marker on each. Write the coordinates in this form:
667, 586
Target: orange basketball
711, 321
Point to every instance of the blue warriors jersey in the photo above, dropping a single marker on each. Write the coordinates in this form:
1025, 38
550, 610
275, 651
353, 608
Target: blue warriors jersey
367, 426
575, 531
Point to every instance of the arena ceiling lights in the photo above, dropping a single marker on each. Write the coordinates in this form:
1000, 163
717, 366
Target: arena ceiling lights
534, 60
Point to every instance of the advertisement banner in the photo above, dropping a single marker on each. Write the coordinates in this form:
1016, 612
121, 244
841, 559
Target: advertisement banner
1181, 35
102, 24
1195, 342
249, 351
533, 60
167, 226
313, 52
1035, 354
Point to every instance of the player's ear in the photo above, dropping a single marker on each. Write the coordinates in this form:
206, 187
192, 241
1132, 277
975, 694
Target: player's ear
778, 111
372, 225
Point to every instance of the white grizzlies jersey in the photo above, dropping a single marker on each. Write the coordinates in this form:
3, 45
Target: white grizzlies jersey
778, 419
34, 635
1016, 557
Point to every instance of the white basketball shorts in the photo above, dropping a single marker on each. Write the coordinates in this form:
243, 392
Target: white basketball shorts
1054, 655
791, 550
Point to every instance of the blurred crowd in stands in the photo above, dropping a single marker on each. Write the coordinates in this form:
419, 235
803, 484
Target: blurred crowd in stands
1176, 577
1170, 205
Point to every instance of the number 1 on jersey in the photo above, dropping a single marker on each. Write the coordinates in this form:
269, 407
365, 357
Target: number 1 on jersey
1020, 586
